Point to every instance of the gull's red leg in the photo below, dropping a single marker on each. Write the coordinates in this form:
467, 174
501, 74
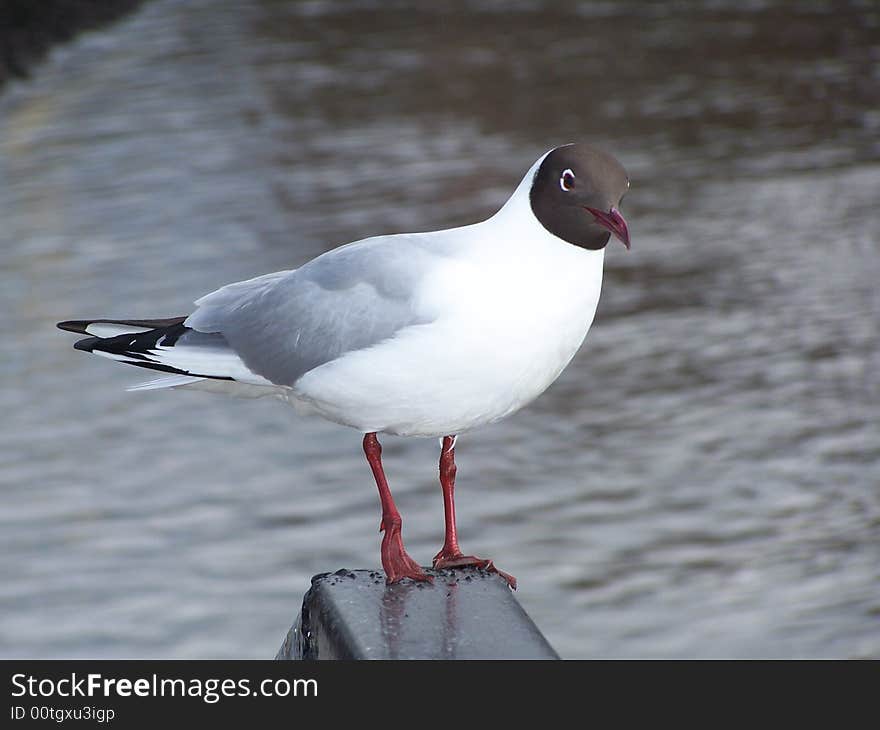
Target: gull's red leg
395, 561
450, 555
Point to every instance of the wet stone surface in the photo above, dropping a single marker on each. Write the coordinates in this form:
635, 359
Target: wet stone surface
462, 614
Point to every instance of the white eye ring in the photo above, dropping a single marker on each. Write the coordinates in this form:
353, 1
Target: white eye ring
566, 181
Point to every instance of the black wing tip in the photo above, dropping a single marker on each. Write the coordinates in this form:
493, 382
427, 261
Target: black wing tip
75, 325
87, 345
171, 328
79, 325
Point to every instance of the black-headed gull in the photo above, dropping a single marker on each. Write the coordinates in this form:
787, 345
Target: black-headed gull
418, 334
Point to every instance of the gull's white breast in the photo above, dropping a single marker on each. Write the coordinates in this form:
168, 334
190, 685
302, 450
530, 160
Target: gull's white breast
511, 310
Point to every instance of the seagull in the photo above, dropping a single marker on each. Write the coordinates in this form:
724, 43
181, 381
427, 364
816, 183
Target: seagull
417, 334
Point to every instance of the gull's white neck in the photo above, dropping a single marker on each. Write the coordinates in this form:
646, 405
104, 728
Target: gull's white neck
518, 227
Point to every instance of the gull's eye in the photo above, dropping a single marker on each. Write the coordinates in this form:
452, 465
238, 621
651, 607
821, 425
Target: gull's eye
566, 182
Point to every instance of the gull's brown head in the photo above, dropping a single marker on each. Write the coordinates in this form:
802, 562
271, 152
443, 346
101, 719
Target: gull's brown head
576, 195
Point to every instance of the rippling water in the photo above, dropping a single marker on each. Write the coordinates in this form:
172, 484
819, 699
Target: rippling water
701, 481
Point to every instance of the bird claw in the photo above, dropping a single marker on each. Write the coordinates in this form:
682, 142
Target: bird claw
457, 560
416, 574
403, 566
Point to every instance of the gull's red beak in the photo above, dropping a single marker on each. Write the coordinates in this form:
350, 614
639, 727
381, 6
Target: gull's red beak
613, 221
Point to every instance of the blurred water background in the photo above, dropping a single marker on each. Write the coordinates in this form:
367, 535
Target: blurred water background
703, 479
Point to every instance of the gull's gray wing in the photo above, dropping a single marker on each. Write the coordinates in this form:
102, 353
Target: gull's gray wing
284, 324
